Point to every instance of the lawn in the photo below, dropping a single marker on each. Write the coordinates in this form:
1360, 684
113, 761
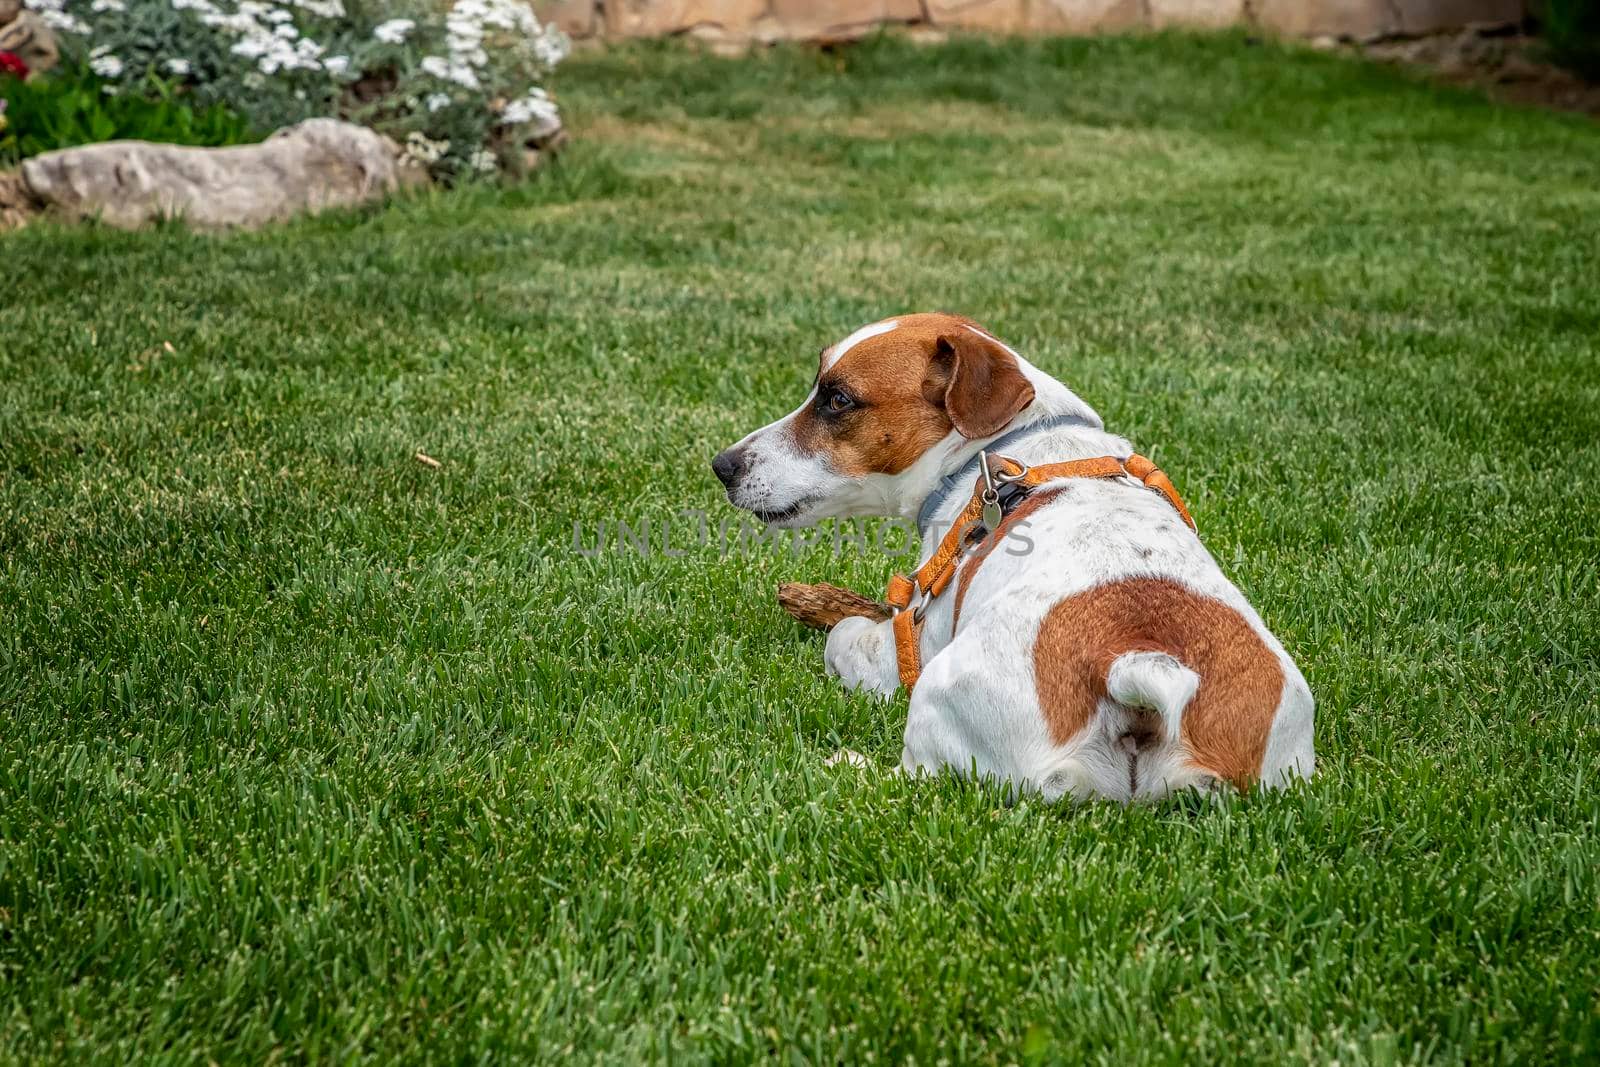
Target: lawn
313, 750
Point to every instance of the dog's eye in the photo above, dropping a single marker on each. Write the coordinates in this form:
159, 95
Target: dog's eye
839, 401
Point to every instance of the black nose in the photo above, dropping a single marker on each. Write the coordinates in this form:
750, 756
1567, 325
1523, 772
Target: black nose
729, 465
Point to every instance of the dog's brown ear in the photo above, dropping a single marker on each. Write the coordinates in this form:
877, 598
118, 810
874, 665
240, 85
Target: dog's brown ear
983, 388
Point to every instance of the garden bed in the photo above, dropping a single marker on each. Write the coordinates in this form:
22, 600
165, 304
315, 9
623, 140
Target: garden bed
455, 91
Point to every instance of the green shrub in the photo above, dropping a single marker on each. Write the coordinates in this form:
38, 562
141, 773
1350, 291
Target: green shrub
457, 83
70, 107
1572, 35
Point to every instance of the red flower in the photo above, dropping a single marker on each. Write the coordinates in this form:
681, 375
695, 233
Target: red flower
11, 63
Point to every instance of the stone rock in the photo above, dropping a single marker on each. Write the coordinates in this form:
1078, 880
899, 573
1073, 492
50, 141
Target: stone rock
829, 20
1208, 14
1431, 16
17, 205
316, 164
28, 38
1351, 19
720, 42
924, 34
657, 18
1084, 16
575, 18
1365, 20
996, 16
832, 20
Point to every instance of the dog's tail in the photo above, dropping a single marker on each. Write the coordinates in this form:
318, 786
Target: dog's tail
1157, 682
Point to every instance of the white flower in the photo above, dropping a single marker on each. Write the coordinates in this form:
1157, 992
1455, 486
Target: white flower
422, 150
274, 51
54, 15
437, 101
336, 65
502, 14
286, 31
327, 9
535, 107
205, 7
462, 39
237, 24
395, 31
551, 47
448, 71
107, 66
179, 67
107, 5
485, 161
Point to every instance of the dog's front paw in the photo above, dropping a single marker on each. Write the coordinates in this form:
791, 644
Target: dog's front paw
852, 645
848, 757
860, 654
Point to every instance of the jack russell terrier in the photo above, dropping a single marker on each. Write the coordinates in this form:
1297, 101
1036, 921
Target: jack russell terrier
1104, 654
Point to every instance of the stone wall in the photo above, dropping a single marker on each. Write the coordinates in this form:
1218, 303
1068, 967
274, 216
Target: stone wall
776, 20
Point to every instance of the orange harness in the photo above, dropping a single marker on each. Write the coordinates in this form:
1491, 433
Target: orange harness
983, 515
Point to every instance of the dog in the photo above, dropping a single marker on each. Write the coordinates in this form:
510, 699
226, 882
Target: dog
1078, 641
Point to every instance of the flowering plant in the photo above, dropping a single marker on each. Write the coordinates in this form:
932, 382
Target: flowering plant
12, 64
459, 88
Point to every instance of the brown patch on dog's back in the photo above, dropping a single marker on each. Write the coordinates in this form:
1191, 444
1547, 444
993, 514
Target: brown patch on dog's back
1225, 725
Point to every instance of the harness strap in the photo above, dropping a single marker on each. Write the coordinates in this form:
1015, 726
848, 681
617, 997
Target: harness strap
1153, 476
934, 576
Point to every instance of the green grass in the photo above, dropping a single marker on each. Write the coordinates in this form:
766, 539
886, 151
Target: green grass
312, 751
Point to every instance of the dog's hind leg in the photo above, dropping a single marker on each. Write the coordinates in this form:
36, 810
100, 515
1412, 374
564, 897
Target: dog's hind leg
967, 718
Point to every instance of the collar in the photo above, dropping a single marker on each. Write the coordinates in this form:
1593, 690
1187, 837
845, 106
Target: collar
962, 476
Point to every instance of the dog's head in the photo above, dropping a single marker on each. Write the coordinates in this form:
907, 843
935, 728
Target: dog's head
890, 402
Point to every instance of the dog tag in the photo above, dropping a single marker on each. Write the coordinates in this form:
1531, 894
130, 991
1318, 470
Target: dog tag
991, 496
992, 515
